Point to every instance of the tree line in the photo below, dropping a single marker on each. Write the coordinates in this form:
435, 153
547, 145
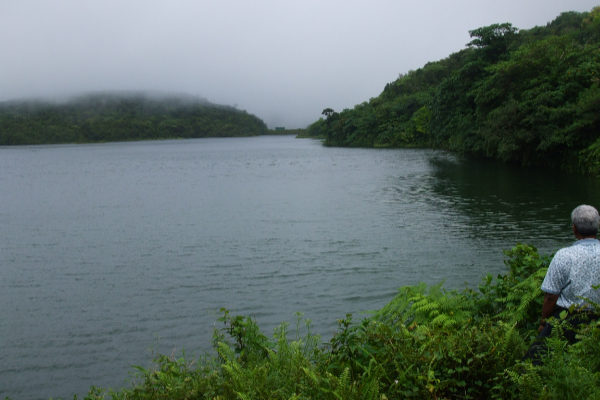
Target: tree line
530, 97
115, 117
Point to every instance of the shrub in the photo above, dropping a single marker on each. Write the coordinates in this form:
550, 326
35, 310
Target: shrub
426, 343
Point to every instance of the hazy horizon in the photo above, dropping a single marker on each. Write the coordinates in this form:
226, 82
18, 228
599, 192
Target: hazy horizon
281, 61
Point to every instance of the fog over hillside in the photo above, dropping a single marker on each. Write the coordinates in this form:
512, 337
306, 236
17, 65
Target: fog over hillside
283, 61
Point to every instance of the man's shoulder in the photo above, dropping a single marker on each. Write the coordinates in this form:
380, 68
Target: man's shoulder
584, 245
567, 251
566, 254
578, 249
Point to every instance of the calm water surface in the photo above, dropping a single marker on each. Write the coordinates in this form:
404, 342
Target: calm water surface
110, 253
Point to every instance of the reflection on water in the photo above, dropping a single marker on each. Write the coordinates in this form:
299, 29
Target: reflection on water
525, 205
111, 252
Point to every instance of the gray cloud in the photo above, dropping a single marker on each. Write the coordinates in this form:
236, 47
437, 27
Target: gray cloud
282, 60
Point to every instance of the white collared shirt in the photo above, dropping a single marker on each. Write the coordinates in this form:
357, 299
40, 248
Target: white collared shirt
573, 272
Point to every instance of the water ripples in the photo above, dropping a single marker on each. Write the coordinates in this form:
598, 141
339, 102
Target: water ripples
112, 253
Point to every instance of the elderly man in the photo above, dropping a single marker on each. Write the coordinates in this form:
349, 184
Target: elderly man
574, 274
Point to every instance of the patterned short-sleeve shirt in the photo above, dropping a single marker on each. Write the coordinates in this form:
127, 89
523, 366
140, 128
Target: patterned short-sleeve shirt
573, 272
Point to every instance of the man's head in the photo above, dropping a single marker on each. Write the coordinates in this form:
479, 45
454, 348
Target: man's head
585, 220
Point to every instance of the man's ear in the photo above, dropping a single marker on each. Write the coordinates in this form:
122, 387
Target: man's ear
576, 233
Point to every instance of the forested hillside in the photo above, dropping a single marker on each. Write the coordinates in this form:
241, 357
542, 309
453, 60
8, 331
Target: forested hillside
115, 117
530, 97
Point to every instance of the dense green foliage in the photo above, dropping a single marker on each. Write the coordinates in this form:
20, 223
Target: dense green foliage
111, 117
427, 343
530, 97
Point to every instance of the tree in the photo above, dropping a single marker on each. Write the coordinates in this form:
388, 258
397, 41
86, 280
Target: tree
327, 112
492, 34
493, 40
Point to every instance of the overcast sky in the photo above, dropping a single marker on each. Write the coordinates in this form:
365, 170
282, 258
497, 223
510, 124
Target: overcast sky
284, 61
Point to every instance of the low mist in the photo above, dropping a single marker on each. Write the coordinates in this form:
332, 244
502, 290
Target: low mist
282, 61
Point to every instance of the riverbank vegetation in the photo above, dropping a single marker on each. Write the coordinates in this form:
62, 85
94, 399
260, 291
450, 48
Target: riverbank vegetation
286, 131
426, 343
530, 97
115, 117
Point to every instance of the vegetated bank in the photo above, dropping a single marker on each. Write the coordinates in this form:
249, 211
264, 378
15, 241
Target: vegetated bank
530, 97
426, 343
298, 132
106, 117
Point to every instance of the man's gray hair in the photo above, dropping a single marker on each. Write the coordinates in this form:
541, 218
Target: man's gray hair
586, 220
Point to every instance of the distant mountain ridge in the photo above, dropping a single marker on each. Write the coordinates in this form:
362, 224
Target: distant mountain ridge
118, 116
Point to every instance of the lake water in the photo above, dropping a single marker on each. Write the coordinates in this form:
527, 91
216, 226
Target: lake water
110, 253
